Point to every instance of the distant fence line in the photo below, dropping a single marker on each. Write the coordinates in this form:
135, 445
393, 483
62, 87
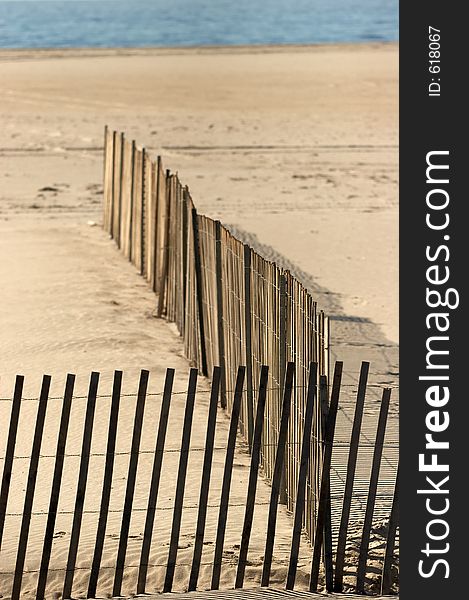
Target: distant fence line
208, 543
231, 306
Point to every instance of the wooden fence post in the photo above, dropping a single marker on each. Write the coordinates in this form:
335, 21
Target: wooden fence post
324, 494
10, 451
181, 481
56, 481
370, 503
107, 485
206, 472
351, 465
253, 477
30, 488
131, 478
386, 580
220, 324
227, 473
248, 342
277, 476
198, 278
81, 486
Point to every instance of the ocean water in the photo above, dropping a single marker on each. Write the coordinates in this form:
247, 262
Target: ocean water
139, 23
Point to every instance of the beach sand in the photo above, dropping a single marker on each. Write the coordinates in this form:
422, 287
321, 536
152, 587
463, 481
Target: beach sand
294, 148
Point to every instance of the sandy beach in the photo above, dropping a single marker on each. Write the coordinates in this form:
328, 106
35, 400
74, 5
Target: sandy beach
295, 148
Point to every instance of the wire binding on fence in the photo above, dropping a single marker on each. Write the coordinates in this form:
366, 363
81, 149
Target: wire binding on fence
302, 448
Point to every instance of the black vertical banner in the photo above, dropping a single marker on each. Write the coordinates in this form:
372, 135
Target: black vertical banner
434, 267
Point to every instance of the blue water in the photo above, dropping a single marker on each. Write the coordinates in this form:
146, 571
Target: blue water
128, 23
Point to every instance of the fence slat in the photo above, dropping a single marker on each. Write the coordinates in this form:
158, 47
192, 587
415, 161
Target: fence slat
199, 287
30, 489
253, 477
107, 485
143, 216
227, 473
282, 353
105, 179
206, 472
185, 226
156, 218
371, 500
155, 481
10, 451
121, 185
113, 185
302, 475
248, 341
81, 486
277, 476
220, 326
386, 581
327, 545
351, 465
55, 491
132, 200
163, 282
324, 494
181, 481
131, 478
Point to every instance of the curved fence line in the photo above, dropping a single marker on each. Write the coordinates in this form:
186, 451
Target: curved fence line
231, 306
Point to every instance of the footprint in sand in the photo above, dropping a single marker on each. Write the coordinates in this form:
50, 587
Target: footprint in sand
49, 188
59, 534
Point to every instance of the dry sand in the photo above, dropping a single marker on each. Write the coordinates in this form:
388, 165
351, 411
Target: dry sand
296, 148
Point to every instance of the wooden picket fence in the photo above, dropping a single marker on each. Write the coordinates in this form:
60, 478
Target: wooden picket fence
321, 398
230, 305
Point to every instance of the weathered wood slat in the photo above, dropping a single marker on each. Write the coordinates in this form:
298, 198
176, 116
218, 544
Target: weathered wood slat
113, 184
371, 500
393, 524
10, 451
301, 488
248, 341
181, 480
253, 477
205, 483
227, 473
81, 486
143, 215
277, 476
324, 496
163, 280
131, 208
107, 485
131, 479
155, 481
220, 325
30, 488
351, 465
326, 469
199, 291
55, 491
